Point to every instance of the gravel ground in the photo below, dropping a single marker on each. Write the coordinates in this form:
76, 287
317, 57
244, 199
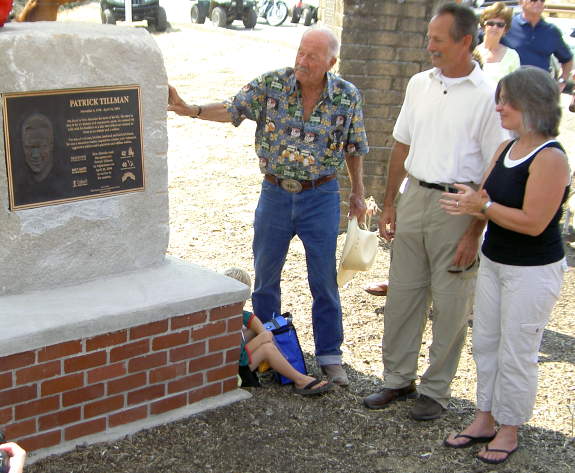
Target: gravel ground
214, 184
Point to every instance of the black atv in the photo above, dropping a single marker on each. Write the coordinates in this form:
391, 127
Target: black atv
224, 12
149, 10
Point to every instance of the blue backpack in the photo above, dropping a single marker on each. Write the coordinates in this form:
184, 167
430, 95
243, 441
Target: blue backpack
287, 342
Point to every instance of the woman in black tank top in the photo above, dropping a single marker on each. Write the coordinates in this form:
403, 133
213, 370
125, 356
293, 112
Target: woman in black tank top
522, 262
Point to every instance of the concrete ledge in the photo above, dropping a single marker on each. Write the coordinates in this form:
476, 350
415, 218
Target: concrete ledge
128, 429
43, 318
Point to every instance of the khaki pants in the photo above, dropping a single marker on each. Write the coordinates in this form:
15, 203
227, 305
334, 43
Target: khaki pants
424, 246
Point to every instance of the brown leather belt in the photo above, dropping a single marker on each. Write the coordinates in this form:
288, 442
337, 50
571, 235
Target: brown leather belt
295, 186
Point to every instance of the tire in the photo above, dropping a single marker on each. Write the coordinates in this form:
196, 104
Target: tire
161, 21
307, 16
250, 18
296, 15
219, 17
198, 16
108, 17
277, 14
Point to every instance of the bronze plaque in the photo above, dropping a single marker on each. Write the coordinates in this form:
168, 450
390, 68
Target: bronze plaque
73, 144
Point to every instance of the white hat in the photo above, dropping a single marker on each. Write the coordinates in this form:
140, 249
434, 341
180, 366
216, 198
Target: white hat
358, 253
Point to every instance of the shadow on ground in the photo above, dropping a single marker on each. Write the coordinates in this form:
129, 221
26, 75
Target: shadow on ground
278, 431
556, 347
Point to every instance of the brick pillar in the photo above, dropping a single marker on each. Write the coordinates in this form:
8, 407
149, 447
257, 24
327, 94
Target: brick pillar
382, 46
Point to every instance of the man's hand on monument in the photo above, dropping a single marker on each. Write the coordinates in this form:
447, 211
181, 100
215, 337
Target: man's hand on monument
176, 103
357, 207
387, 223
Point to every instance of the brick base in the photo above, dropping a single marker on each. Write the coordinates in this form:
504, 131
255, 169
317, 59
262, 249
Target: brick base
81, 387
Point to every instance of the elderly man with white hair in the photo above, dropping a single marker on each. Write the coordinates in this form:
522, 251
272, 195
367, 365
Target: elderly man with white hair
309, 121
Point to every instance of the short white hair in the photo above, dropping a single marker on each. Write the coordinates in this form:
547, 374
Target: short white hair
332, 41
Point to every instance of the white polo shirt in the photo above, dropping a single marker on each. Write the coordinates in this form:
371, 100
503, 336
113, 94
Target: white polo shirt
452, 129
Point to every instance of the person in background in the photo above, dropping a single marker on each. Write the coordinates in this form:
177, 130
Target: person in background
309, 122
17, 456
446, 132
258, 346
536, 40
522, 261
497, 59
572, 104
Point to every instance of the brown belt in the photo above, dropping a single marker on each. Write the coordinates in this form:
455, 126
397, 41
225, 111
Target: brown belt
295, 186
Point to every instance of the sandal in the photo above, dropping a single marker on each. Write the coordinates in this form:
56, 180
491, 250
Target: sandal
308, 389
499, 450
471, 441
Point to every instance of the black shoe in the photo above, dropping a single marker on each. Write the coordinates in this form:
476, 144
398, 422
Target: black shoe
426, 409
383, 398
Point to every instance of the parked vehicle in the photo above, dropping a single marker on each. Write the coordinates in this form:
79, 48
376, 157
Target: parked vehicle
487, 3
306, 10
275, 12
225, 12
5, 9
149, 10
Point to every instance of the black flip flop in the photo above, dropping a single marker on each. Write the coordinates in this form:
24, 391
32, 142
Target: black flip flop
308, 390
472, 441
499, 450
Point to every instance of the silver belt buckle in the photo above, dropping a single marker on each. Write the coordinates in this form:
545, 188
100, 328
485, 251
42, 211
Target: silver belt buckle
291, 185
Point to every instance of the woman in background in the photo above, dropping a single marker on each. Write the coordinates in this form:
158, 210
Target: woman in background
497, 60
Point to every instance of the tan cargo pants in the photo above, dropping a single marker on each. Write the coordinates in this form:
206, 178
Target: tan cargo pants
424, 246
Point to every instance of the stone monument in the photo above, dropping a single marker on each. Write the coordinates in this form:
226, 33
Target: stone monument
102, 334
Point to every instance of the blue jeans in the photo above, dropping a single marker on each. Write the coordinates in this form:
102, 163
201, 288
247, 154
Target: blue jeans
312, 215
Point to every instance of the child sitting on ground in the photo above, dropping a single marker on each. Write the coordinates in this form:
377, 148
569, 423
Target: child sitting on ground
258, 346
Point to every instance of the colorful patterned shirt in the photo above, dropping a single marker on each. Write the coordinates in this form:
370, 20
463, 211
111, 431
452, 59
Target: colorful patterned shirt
288, 146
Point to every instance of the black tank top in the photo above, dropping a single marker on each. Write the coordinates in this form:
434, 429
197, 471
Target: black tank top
506, 186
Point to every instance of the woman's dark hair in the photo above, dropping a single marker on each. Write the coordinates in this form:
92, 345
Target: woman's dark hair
535, 94
464, 22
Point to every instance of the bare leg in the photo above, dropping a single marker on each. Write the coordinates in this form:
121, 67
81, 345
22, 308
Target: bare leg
506, 439
262, 348
482, 426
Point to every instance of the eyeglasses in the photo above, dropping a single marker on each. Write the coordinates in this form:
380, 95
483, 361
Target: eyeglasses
499, 24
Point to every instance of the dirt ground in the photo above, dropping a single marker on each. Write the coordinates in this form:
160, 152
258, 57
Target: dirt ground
214, 185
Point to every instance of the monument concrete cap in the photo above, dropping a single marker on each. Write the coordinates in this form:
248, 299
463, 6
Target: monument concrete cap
76, 241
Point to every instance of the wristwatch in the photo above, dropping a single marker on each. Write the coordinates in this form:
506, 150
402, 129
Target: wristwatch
561, 80
199, 111
485, 206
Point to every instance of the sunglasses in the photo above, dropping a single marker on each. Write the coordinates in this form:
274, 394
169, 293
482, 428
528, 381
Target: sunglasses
535, 1
499, 24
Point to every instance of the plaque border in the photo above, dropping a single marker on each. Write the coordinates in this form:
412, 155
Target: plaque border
8, 158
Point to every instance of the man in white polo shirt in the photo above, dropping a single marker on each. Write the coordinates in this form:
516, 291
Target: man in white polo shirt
446, 132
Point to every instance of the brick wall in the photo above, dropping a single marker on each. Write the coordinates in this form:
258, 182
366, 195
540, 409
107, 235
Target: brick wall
81, 387
382, 46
